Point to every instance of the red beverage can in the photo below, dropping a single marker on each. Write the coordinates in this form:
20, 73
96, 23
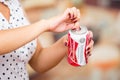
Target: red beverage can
77, 43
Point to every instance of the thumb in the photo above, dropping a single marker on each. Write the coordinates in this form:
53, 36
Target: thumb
70, 26
76, 26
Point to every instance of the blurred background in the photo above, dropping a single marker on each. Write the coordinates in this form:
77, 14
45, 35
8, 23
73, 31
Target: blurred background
100, 16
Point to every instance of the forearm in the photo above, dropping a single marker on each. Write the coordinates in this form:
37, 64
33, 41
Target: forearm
14, 38
49, 57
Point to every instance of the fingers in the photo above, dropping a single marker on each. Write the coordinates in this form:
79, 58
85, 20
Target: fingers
90, 45
77, 26
66, 43
78, 14
72, 14
77, 19
89, 48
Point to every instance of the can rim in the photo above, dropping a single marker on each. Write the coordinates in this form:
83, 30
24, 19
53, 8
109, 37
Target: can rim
82, 30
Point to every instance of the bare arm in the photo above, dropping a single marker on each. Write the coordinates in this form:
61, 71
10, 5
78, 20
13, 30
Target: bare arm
46, 58
14, 38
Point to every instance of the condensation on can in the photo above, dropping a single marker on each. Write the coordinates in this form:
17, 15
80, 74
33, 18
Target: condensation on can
77, 43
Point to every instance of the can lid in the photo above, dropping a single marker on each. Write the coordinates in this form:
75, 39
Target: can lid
81, 30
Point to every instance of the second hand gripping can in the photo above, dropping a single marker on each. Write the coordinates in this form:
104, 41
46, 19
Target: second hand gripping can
77, 43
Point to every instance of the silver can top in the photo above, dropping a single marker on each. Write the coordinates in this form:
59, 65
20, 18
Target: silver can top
81, 30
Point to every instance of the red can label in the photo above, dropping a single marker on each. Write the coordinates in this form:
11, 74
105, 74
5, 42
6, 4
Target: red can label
77, 44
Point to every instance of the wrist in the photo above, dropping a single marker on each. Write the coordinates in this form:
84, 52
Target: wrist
54, 22
43, 24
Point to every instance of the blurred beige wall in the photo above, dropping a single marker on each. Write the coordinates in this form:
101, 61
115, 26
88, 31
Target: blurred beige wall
38, 3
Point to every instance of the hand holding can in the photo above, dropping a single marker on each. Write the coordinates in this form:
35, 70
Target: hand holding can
77, 43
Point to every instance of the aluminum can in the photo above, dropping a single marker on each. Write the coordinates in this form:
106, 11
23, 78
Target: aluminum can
77, 43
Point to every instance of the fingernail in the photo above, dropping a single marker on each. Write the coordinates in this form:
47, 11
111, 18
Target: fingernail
74, 29
65, 43
88, 52
75, 21
73, 18
88, 48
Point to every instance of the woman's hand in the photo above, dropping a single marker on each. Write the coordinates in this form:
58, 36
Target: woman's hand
65, 21
89, 46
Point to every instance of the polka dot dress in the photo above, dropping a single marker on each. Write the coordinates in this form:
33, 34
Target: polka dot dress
13, 64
